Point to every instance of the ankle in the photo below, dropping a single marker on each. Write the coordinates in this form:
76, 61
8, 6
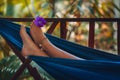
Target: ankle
40, 38
45, 44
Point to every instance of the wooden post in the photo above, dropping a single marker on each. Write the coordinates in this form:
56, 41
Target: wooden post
91, 34
52, 27
20, 70
33, 71
63, 29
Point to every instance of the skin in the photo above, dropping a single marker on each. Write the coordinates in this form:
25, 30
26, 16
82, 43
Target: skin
38, 37
29, 47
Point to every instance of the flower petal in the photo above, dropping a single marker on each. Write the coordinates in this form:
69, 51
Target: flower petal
39, 21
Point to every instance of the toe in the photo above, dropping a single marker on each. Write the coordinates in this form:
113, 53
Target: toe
23, 29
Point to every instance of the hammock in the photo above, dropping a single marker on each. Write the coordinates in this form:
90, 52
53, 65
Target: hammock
98, 65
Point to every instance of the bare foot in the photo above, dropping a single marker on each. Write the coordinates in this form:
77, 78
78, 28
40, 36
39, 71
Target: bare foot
36, 33
29, 47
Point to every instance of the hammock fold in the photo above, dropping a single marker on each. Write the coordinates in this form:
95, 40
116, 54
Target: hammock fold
98, 65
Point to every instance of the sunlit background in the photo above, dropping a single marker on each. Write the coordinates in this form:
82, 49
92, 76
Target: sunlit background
105, 33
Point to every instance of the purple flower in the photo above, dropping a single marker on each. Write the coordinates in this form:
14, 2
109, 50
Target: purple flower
39, 21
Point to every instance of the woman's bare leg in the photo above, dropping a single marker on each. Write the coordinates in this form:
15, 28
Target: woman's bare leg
50, 49
29, 47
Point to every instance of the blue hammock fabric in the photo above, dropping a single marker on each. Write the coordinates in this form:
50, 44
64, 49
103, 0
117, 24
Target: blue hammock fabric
98, 65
